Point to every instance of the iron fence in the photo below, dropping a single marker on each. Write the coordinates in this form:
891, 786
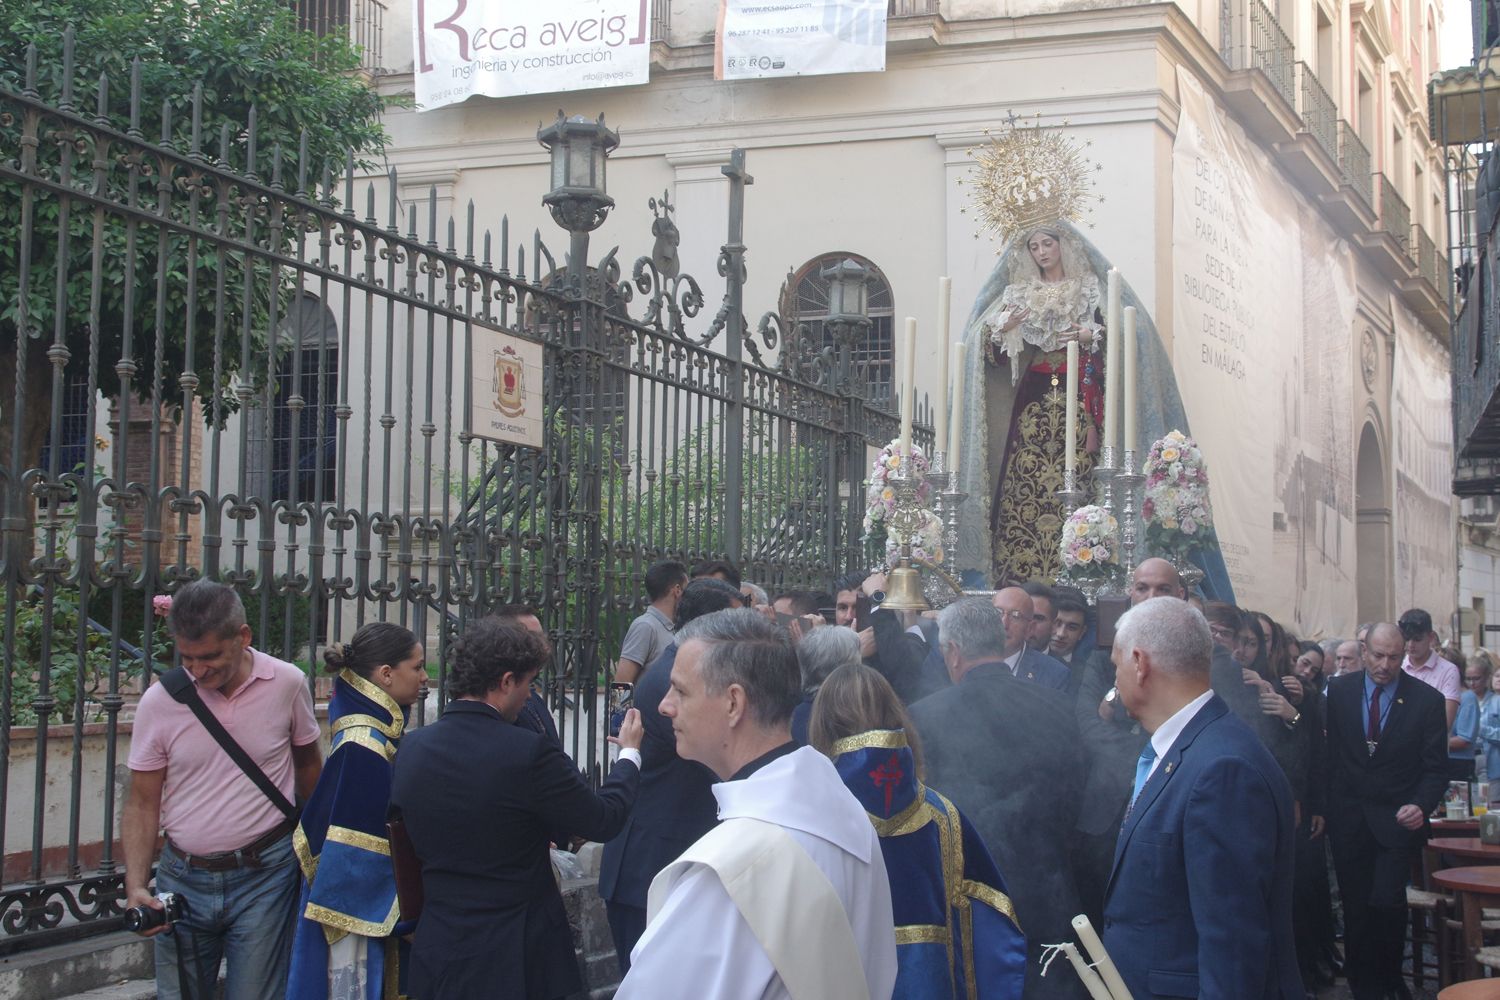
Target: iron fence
1395, 216
275, 359
1252, 38
1320, 115
1354, 163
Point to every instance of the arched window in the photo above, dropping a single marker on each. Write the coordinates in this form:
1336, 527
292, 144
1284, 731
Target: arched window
300, 447
807, 302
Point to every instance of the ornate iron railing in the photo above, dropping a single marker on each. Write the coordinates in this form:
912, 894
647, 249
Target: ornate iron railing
276, 360
1354, 163
911, 8
1252, 38
661, 20
1395, 216
1320, 116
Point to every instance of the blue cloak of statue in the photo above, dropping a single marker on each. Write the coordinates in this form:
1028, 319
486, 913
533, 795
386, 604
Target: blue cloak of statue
349, 885
956, 930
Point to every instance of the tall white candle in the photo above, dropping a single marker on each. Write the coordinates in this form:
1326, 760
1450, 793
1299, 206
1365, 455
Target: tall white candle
1091, 981
1128, 396
1102, 961
940, 420
1072, 414
954, 446
908, 383
1112, 359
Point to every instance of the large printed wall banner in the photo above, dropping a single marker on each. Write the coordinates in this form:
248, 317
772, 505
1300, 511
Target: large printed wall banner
1263, 313
765, 38
1422, 429
504, 48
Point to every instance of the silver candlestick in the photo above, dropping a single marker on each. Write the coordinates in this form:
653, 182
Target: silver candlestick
1104, 477
1070, 495
1127, 481
953, 500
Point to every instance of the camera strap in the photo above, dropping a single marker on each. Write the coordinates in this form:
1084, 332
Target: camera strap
180, 686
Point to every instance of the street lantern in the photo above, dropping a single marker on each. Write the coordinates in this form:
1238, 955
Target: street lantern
848, 292
579, 149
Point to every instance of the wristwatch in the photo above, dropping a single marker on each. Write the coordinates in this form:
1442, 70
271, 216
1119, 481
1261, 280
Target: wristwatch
1295, 719
877, 599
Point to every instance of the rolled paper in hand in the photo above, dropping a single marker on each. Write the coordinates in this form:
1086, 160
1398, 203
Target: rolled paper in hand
1102, 962
1091, 980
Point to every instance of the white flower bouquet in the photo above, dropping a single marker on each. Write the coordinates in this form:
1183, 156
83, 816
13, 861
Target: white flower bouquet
1090, 543
880, 495
1176, 508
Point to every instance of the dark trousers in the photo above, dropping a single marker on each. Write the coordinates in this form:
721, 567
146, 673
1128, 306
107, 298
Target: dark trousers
1372, 885
1312, 903
626, 925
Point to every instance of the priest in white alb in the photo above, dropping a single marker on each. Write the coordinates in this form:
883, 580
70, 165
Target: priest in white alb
787, 897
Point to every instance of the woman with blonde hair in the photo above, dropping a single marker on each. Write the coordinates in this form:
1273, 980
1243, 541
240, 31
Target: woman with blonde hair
947, 928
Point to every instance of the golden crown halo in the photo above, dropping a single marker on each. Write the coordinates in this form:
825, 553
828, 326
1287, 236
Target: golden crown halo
1027, 176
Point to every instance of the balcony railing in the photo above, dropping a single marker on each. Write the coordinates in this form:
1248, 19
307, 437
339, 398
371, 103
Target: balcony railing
911, 8
1320, 116
1354, 163
361, 21
1395, 216
1253, 39
661, 20
1425, 252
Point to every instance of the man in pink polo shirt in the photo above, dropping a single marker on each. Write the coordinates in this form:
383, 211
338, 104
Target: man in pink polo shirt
1423, 662
228, 851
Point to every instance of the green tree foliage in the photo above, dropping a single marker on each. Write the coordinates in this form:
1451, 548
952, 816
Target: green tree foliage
307, 96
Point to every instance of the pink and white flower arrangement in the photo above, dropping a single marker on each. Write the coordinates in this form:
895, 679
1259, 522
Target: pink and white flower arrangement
1176, 507
1090, 542
880, 495
926, 542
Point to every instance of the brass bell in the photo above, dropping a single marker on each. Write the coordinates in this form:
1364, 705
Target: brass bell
903, 586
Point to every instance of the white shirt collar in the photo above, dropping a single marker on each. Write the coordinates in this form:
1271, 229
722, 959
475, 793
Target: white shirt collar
1167, 733
1014, 659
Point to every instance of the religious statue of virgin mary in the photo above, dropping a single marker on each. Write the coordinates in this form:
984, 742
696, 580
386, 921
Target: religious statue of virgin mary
1031, 186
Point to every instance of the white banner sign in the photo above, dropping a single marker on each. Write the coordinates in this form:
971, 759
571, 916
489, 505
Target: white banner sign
1263, 315
504, 48
765, 38
505, 388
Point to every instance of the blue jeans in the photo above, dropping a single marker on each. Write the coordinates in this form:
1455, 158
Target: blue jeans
245, 915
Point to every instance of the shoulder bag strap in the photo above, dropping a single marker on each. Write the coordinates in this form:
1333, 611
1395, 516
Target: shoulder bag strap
182, 689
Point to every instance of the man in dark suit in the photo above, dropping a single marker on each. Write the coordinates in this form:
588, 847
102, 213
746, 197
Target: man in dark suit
480, 797
1199, 900
676, 802
1024, 661
1387, 756
1005, 751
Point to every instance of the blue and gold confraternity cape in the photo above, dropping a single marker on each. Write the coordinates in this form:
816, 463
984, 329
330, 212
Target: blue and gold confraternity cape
348, 883
956, 932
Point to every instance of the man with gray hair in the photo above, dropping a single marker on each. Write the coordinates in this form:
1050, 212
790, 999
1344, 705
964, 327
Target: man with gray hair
227, 823
819, 653
1006, 752
788, 896
1199, 900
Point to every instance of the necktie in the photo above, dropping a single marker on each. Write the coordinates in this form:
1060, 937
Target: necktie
1372, 733
1142, 771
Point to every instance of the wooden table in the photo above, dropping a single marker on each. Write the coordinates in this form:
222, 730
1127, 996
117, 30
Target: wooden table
1476, 989
1468, 848
1474, 887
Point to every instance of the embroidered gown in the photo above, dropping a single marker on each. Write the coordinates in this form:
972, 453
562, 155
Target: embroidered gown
347, 944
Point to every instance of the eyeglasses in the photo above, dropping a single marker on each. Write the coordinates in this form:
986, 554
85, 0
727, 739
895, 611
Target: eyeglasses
1015, 616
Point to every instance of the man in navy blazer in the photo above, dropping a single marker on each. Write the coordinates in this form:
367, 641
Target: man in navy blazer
1026, 663
1387, 769
1199, 901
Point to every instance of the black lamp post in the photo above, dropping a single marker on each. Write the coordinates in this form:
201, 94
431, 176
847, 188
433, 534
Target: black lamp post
848, 311
580, 149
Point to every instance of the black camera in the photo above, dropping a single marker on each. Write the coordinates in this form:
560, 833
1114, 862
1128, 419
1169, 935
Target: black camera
145, 918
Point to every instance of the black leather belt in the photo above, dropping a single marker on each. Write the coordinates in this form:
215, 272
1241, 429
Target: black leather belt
245, 857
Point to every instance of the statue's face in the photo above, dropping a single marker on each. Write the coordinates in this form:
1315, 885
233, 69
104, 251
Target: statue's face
1045, 251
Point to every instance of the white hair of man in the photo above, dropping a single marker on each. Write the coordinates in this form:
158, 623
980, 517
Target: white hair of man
1172, 632
974, 626
756, 593
822, 651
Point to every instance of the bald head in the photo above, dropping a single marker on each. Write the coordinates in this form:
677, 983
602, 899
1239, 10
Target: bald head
1385, 647
1015, 604
1155, 578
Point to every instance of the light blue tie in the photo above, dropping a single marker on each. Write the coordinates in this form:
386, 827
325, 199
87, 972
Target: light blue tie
1142, 769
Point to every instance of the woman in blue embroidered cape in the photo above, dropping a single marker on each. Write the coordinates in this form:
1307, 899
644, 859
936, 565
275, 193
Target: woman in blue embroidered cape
347, 940
957, 937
